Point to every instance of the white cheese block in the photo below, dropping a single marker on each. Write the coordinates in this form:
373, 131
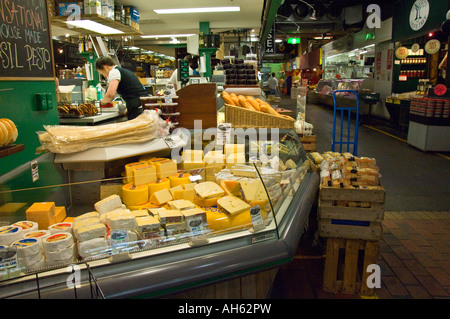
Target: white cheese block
62, 254
207, 190
104, 217
93, 247
146, 225
170, 216
181, 204
58, 241
140, 213
125, 221
27, 226
244, 171
61, 228
86, 216
9, 234
84, 222
108, 204
27, 247
91, 231
232, 204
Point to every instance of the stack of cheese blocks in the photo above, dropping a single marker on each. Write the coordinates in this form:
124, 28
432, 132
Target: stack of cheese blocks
148, 177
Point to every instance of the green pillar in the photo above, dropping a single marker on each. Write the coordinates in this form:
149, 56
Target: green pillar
207, 52
91, 57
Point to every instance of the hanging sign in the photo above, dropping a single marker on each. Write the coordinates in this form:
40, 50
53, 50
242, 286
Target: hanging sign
415, 47
432, 46
418, 15
270, 42
402, 53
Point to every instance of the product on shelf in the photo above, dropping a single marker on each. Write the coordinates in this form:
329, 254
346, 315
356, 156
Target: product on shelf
72, 138
61, 228
232, 204
9, 234
29, 253
27, 226
42, 213
8, 132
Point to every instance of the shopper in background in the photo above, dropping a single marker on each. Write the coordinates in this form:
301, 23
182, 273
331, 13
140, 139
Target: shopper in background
273, 85
124, 82
174, 78
288, 83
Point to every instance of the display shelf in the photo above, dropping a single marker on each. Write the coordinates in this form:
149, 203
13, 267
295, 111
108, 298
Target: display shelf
60, 21
105, 154
12, 149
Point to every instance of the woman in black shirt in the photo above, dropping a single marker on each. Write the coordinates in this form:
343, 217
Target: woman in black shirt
124, 82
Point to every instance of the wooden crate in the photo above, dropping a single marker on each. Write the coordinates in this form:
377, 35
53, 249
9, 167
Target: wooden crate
308, 142
240, 117
345, 268
360, 222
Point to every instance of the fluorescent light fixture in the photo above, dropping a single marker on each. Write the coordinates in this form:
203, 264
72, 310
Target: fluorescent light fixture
93, 26
197, 10
278, 40
167, 36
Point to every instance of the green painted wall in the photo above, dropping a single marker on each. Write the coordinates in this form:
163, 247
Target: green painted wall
274, 67
18, 105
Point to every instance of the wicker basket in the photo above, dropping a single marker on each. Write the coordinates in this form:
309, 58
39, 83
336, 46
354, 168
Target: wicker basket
244, 118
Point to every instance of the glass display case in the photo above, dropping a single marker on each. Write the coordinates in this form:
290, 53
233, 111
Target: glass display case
147, 221
325, 89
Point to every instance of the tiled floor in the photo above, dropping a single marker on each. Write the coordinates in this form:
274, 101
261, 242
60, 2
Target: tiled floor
414, 257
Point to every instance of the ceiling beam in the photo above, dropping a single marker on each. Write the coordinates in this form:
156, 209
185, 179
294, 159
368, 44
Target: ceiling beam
268, 19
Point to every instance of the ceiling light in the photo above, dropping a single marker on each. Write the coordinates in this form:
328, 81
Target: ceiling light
93, 26
197, 10
278, 40
313, 16
166, 36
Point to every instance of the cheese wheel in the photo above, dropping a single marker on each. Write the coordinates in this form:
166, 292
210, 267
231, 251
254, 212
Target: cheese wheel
27, 247
93, 247
30, 260
62, 254
221, 222
58, 241
4, 135
39, 235
160, 184
134, 195
58, 262
231, 187
210, 202
27, 226
9, 234
11, 124
37, 265
179, 179
61, 228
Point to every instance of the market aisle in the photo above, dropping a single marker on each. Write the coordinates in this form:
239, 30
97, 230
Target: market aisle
415, 249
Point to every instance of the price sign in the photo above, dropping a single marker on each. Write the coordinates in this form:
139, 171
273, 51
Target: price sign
257, 219
440, 89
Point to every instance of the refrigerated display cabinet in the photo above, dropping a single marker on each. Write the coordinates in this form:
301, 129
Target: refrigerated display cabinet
148, 267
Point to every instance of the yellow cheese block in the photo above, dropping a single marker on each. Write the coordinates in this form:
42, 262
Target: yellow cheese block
231, 187
129, 170
133, 195
187, 194
253, 190
179, 179
192, 156
234, 149
164, 167
222, 222
60, 213
161, 197
205, 202
144, 175
42, 213
160, 184
141, 207
232, 204
207, 190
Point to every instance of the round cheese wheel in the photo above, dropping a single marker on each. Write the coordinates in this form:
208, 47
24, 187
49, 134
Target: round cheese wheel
141, 207
9, 234
12, 129
62, 254
38, 234
29, 261
160, 184
38, 265
27, 226
179, 179
60, 228
134, 195
220, 222
27, 247
205, 202
58, 241
4, 135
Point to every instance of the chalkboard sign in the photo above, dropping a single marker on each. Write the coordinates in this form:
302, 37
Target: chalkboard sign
25, 45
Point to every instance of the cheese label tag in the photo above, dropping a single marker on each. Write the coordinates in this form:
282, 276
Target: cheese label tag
8, 260
223, 134
257, 219
118, 240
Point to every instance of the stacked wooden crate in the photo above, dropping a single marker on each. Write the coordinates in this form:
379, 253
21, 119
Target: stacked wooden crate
349, 219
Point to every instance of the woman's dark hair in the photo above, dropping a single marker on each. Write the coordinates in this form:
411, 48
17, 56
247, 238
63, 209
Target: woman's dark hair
102, 61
